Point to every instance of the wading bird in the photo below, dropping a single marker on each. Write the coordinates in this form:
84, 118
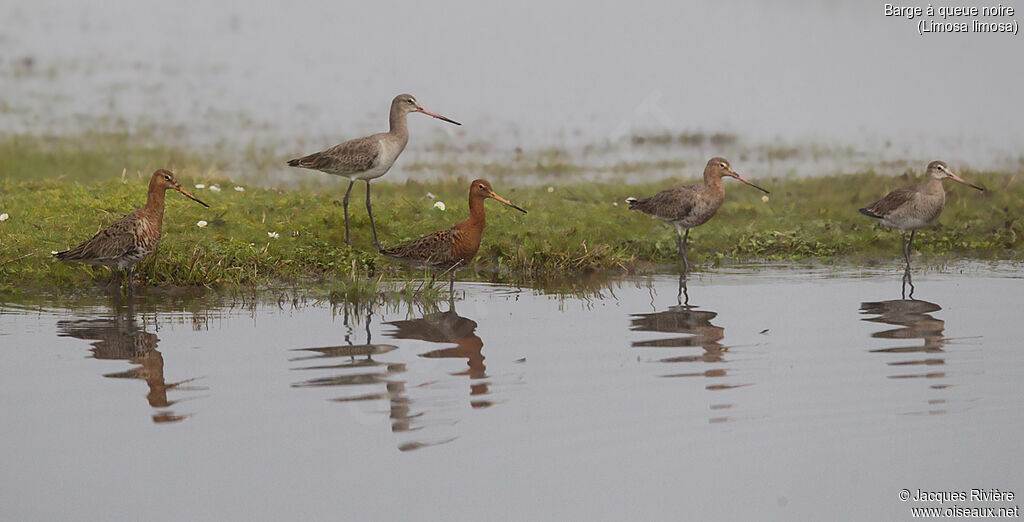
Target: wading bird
449, 249
132, 238
914, 207
690, 205
369, 157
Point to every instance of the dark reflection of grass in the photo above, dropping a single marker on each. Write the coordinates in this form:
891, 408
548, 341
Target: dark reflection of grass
59, 194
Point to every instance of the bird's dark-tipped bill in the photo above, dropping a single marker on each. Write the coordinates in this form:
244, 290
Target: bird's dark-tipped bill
958, 179
438, 116
507, 202
747, 181
190, 196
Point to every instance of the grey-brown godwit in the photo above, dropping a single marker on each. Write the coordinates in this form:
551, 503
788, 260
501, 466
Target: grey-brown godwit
914, 207
369, 157
690, 205
133, 237
456, 246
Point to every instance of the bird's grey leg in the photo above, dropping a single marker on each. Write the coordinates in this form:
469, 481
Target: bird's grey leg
906, 254
369, 210
682, 250
910, 246
344, 205
131, 276
906, 280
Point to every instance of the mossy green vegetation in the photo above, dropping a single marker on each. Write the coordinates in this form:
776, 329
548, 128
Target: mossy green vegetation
55, 197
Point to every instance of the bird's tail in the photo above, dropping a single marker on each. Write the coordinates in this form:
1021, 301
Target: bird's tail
869, 213
61, 255
633, 202
294, 162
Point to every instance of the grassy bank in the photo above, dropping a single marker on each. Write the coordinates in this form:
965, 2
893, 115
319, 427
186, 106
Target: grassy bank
59, 195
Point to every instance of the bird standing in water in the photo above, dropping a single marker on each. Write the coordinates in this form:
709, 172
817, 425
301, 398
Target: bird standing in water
369, 157
914, 207
454, 247
690, 205
132, 238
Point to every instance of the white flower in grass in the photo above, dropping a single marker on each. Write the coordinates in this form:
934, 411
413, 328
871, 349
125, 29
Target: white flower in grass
273, 235
551, 189
764, 199
200, 186
239, 189
215, 188
4, 217
439, 205
431, 195
202, 223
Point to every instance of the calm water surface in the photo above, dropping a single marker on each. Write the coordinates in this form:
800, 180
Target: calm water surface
287, 79
773, 393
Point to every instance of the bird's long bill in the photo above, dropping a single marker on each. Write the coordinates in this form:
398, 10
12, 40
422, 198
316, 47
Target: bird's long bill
507, 202
958, 179
190, 196
747, 181
438, 116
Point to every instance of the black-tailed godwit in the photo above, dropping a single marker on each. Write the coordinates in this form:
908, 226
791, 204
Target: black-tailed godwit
451, 248
369, 157
132, 238
690, 205
914, 207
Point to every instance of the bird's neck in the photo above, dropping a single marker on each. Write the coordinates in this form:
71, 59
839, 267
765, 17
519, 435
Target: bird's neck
399, 125
155, 200
477, 217
934, 186
712, 182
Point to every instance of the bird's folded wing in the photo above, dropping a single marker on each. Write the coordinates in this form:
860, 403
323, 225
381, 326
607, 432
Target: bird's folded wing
891, 201
353, 156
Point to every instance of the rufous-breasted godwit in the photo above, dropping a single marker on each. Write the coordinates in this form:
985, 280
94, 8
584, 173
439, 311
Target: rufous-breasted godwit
369, 157
133, 237
451, 248
914, 207
690, 205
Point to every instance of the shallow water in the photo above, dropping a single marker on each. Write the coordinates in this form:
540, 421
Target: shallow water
767, 393
297, 79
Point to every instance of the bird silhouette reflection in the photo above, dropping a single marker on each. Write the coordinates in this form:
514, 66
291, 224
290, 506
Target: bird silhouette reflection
451, 328
353, 366
698, 332
914, 320
119, 337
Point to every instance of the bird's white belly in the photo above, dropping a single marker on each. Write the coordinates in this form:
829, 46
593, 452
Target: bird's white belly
388, 154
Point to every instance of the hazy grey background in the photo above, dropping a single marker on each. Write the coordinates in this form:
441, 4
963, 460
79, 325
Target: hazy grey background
530, 74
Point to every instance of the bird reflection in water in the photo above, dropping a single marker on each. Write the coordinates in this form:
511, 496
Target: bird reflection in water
915, 321
684, 318
449, 327
119, 337
354, 365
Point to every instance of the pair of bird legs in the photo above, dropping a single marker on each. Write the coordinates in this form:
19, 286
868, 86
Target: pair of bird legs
369, 210
906, 271
683, 295
451, 279
119, 277
681, 243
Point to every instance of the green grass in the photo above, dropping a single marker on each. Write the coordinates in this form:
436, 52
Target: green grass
61, 192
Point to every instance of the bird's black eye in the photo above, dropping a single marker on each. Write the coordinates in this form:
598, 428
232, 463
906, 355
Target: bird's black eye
168, 178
